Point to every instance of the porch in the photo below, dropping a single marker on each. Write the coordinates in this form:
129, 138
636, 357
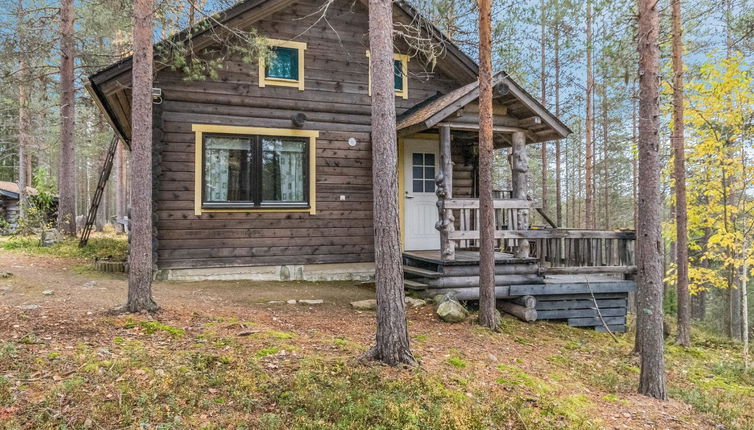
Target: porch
581, 276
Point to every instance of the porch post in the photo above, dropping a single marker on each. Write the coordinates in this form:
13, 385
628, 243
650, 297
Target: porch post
519, 170
444, 181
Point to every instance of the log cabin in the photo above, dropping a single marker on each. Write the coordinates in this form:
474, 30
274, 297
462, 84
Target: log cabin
264, 171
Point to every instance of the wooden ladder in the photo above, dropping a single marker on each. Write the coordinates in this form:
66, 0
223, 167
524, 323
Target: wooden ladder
97, 197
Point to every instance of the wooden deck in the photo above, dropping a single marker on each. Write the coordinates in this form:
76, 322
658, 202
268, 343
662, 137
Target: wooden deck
464, 257
592, 296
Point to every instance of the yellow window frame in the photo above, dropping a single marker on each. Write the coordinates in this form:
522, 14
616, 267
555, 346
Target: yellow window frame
404, 59
200, 129
280, 82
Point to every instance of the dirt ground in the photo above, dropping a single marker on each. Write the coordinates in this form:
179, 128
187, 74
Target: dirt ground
77, 309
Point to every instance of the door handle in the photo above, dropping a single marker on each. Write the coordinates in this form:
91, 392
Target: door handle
409, 196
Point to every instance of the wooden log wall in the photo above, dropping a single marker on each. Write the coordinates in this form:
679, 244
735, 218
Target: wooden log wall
336, 103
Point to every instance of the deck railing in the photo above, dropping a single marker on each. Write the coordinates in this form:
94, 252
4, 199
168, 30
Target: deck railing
557, 249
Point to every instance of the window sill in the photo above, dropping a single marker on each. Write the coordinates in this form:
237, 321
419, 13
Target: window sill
219, 208
282, 82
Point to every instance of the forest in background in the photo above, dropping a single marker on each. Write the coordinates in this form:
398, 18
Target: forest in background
544, 46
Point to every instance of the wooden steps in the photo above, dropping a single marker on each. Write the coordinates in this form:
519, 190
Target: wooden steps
413, 285
421, 273
561, 296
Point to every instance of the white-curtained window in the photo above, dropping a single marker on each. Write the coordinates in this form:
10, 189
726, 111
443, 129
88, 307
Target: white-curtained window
266, 171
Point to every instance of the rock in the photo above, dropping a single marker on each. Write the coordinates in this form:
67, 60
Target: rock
442, 298
365, 305
451, 311
415, 303
5, 288
291, 302
90, 284
29, 307
275, 302
311, 302
48, 292
50, 237
5, 275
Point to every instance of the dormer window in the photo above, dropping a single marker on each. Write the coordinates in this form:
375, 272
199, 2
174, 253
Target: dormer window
400, 62
284, 67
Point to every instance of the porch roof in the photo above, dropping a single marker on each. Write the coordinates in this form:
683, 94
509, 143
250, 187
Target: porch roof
523, 110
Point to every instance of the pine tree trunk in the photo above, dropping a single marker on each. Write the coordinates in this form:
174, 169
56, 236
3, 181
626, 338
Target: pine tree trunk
558, 190
24, 121
699, 305
543, 98
589, 197
649, 241
679, 160
140, 252
487, 314
392, 345
634, 159
23, 139
66, 175
745, 302
605, 155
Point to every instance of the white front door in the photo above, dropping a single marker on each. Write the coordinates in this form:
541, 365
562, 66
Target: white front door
421, 161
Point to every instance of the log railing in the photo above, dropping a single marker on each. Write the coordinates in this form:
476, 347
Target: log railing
558, 250
574, 251
465, 214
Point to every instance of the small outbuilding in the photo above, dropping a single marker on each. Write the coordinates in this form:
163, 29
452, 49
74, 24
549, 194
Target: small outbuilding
9, 205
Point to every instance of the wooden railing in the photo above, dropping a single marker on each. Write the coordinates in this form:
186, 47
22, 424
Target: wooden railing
466, 220
558, 250
574, 251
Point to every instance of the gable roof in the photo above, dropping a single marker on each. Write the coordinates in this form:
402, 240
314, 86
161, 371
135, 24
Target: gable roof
464, 68
429, 113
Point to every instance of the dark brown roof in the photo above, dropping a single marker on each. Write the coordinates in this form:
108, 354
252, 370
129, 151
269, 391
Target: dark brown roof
521, 105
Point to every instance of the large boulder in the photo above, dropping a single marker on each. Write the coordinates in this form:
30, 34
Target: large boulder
50, 237
451, 311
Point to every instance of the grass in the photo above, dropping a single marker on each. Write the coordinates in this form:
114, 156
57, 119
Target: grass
100, 246
136, 372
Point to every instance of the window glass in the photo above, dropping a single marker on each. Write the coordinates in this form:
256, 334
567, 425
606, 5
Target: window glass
227, 163
423, 170
282, 64
283, 169
398, 65
255, 170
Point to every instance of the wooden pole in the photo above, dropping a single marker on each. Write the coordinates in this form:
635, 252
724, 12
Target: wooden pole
444, 181
519, 170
